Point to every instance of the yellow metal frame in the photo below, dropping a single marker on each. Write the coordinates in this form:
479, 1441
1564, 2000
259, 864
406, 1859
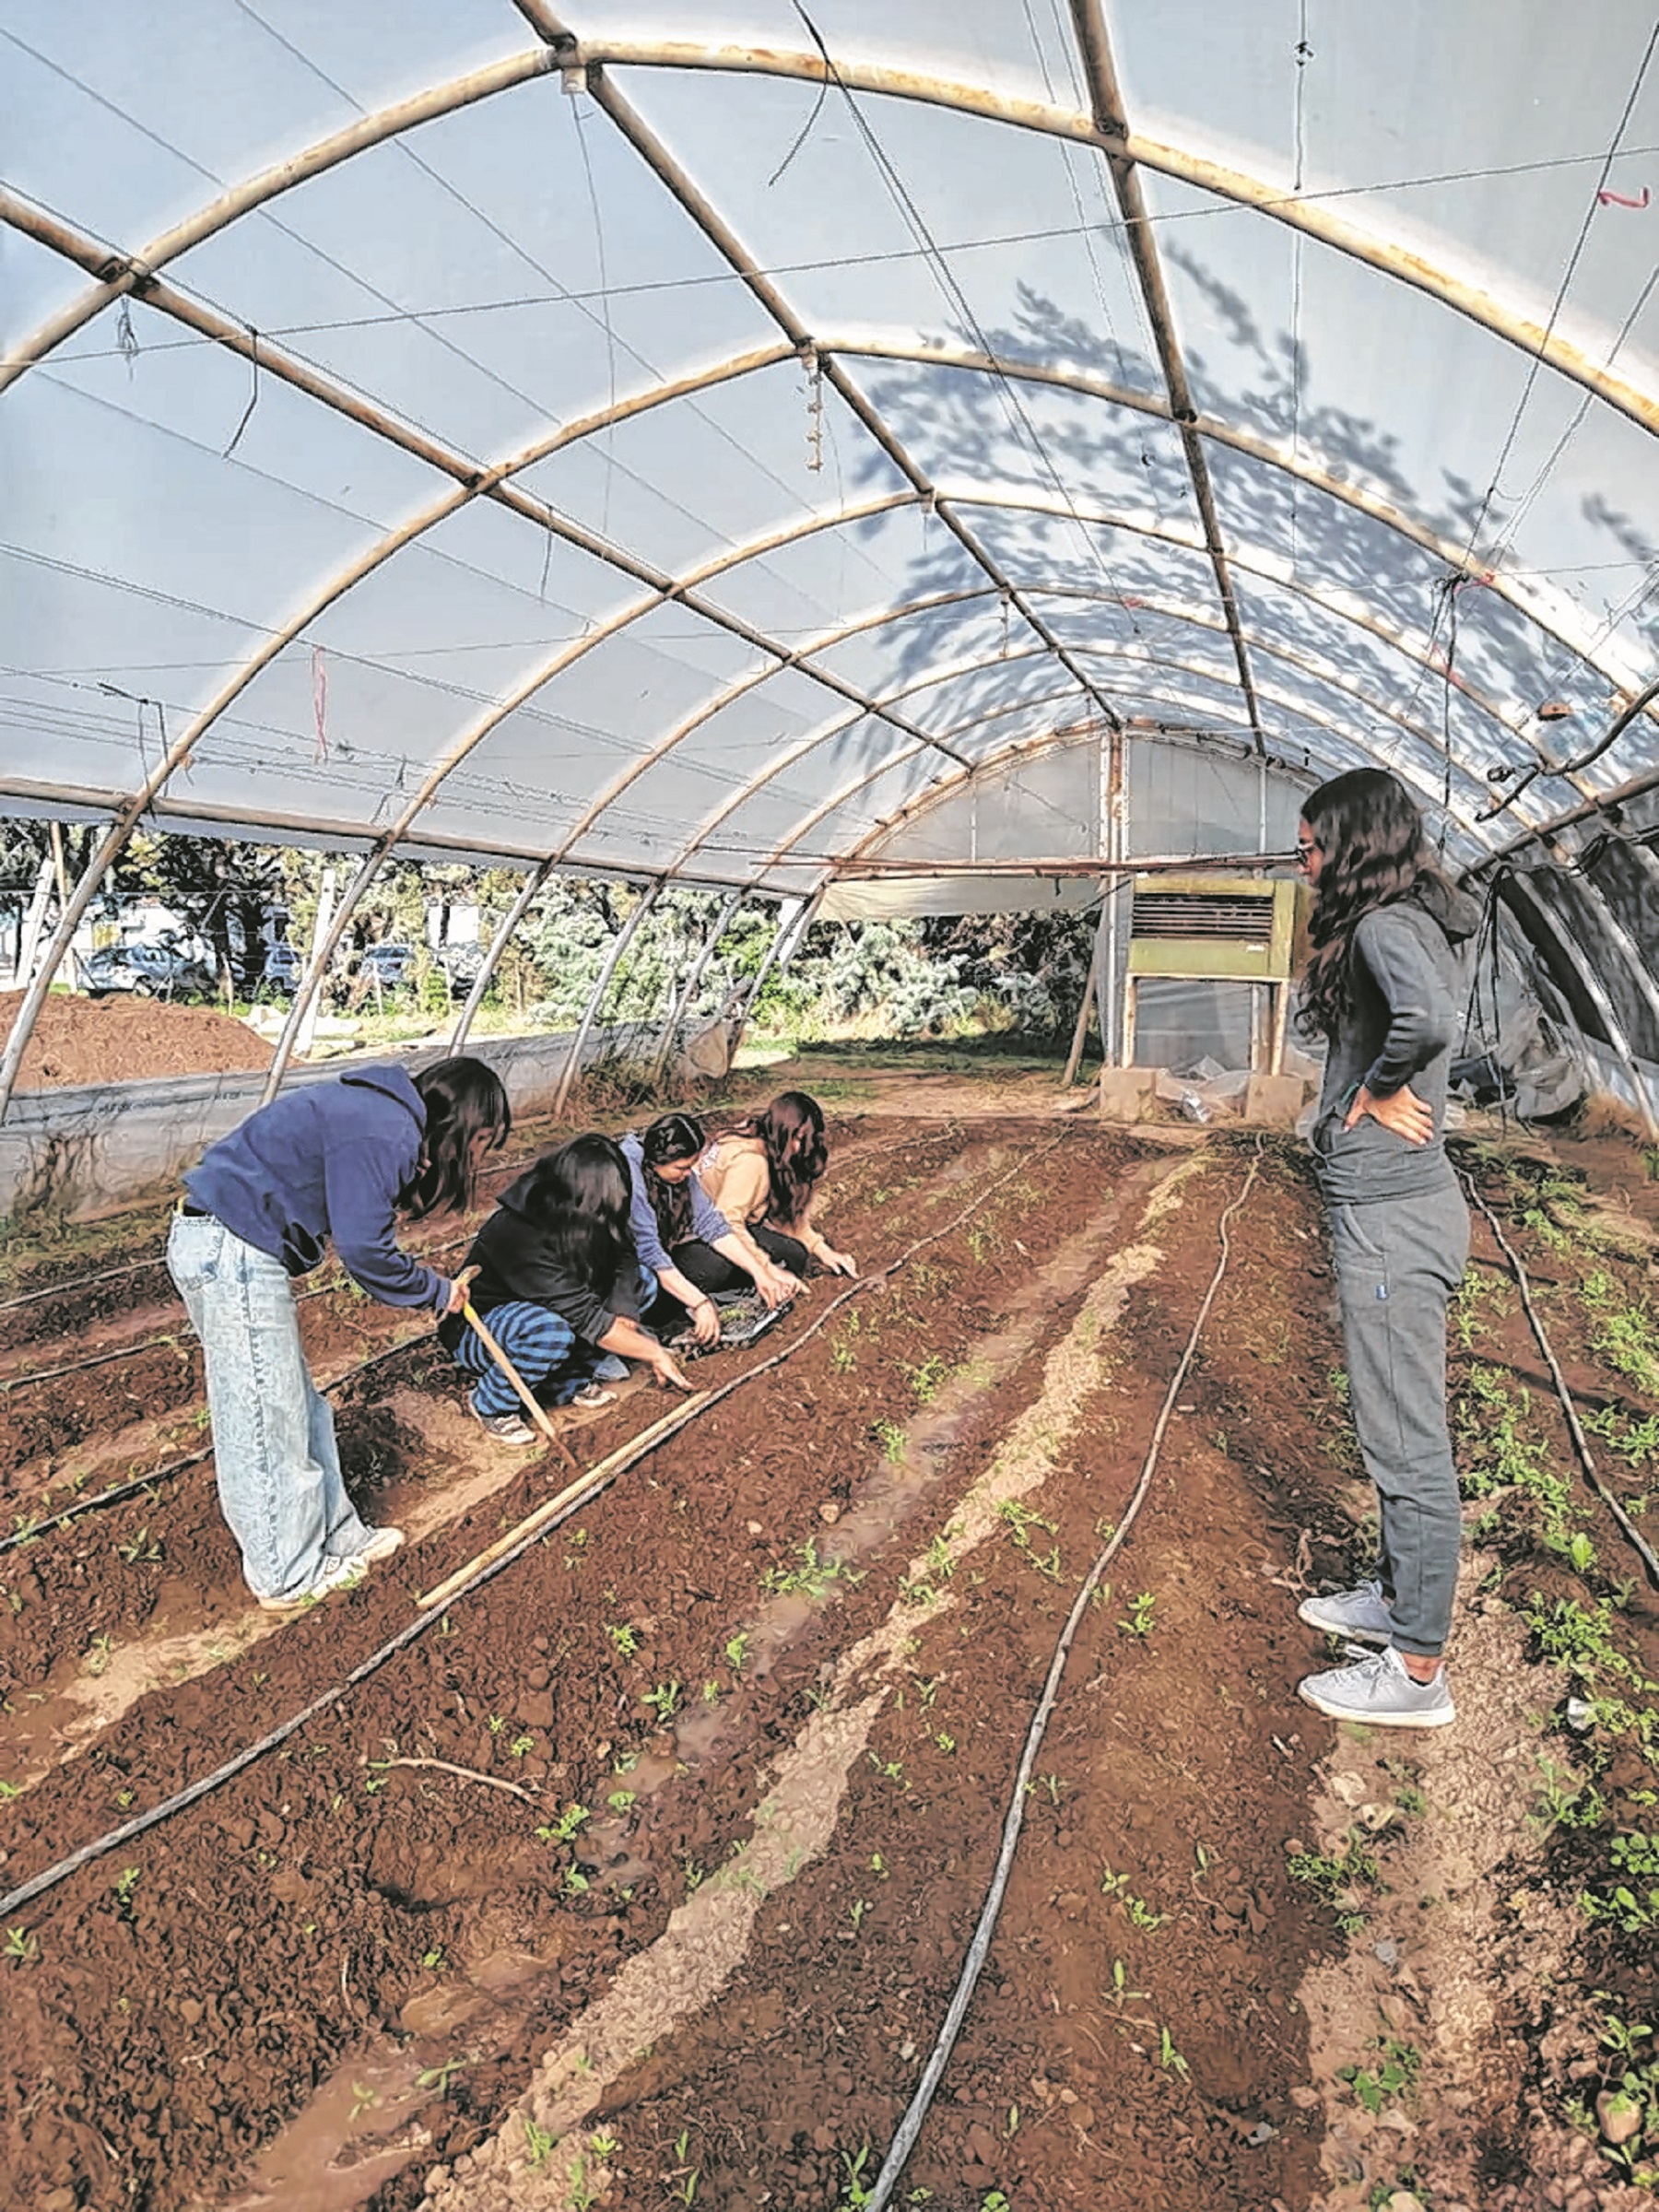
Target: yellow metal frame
1265, 963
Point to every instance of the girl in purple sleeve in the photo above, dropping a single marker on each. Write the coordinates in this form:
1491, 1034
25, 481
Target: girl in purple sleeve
1386, 983
330, 1162
684, 1239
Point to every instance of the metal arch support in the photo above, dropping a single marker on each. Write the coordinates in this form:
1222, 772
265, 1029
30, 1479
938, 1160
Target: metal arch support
1289, 702
953, 783
133, 272
498, 946
619, 944
1341, 605
726, 241
1548, 611
750, 680
1568, 946
474, 484
1389, 256
496, 483
681, 999
792, 931
1090, 25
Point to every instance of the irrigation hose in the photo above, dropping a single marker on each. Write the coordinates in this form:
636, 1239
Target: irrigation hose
192, 1459
616, 1464
909, 2127
1627, 1527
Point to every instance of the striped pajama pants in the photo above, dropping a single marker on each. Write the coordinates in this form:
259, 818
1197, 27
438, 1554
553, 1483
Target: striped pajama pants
553, 1359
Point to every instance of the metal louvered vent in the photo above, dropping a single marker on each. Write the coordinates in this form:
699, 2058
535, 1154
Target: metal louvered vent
1219, 917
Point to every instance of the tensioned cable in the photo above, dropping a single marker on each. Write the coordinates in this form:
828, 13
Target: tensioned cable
1627, 1527
957, 298
618, 1465
910, 2126
1302, 55
1536, 363
990, 242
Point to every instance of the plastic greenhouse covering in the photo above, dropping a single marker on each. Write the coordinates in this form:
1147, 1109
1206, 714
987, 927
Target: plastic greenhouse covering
842, 452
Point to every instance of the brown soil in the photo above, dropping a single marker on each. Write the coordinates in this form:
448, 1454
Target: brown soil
114, 1040
644, 1878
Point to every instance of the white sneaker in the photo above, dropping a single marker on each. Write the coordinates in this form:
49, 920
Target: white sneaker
381, 1544
1379, 1692
1363, 1613
334, 1574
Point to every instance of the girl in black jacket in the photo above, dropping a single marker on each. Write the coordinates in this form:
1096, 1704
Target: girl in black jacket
559, 1283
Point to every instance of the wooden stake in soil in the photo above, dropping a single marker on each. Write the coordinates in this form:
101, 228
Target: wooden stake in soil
532, 1405
597, 1477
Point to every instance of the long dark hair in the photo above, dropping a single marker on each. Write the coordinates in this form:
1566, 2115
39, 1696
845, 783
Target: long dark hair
579, 1198
671, 1137
464, 1101
1372, 854
792, 1129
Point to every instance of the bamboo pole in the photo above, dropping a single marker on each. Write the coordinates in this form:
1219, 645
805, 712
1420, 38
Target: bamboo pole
550, 1509
533, 1405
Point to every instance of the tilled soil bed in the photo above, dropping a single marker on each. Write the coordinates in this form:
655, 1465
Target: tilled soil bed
644, 1875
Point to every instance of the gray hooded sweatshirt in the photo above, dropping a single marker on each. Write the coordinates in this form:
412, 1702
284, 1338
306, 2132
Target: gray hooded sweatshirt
1410, 976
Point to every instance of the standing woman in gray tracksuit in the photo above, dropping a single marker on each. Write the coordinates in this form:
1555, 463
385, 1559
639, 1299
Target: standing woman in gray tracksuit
1386, 983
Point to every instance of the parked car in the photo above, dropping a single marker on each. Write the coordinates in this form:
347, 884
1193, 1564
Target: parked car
147, 972
388, 964
282, 971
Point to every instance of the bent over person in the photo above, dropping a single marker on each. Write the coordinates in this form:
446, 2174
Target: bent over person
1386, 984
332, 1162
560, 1288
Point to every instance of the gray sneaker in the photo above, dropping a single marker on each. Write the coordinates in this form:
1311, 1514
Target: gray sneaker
1381, 1693
613, 1368
1363, 1613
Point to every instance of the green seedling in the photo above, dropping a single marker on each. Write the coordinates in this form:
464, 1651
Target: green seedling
855, 2194
140, 1550
576, 1882
890, 1436
625, 1638
434, 1962
604, 2146
1121, 1993
496, 1723
127, 1881
856, 1910
926, 1379
1168, 2056
1373, 2086
621, 1801
22, 1947
1139, 1619
568, 1825
522, 1745
97, 1658
1337, 1879
879, 1866
947, 1744
812, 1578
538, 2144
663, 1700
8, 1790
736, 1651
363, 2100
1141, 1914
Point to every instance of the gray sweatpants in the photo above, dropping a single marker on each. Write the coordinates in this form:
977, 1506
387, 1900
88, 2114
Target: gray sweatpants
1397, 1264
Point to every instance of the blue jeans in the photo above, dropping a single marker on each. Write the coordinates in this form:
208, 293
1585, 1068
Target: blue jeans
1397, 1263
274, 1450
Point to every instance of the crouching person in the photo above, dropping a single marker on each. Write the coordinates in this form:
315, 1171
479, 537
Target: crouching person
560, 1285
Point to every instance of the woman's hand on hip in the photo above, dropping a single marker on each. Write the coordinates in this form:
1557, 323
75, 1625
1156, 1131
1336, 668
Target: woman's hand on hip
1400, 1111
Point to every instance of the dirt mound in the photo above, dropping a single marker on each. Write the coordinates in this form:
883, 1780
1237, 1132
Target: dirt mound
110, 1040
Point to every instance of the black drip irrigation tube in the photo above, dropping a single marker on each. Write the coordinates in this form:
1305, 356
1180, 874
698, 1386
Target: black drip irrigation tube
617, 1465
192, 1459
909, 2127
1627, 1527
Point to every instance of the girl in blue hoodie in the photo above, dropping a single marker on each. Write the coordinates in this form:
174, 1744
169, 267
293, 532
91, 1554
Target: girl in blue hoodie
333, 1161
1387, 984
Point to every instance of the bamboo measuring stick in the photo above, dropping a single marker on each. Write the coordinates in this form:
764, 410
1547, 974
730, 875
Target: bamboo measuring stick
595, 1478
536, 1411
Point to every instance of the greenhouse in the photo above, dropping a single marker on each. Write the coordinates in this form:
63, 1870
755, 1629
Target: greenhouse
676, 559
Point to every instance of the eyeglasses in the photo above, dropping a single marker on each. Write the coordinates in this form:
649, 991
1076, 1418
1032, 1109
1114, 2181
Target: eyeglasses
1305, 849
